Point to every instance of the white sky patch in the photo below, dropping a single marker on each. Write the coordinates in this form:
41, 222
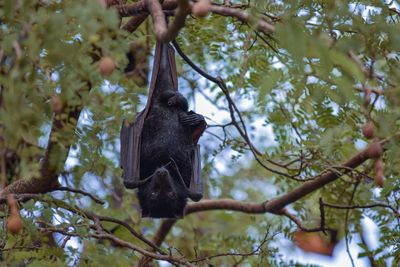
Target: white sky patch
312, 79
371, 233
277, 64
360, 144
239, 194
205, 108
364, 10
44, 139
393, 4
377, 192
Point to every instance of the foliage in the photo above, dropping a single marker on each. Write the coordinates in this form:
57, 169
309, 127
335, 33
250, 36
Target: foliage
301, 92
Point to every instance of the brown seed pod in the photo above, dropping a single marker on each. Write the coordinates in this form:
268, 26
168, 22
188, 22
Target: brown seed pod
14, 223
201, 8
368, 130
379, 181
367, 98
379, 165
57, 103
379, 171
106, 66
375, 150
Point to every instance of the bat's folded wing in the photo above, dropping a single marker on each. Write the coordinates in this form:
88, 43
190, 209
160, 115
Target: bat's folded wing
196, 182
130, 151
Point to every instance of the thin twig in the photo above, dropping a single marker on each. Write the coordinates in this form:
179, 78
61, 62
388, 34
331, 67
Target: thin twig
256, 251
346, 230
79, 191
267, 43
124, 243
336, 206
132, 231
302, 226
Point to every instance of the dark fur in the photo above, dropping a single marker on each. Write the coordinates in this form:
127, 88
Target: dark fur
168, 140
163, 138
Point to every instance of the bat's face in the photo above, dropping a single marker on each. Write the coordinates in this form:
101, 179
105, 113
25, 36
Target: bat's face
163, 196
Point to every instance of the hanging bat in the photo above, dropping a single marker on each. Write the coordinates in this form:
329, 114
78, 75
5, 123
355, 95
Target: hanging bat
159, 151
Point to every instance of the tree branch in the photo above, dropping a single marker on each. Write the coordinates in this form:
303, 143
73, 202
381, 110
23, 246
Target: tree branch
275, 205
161, 31
256, 251
395, 211
158, 238
142, 7
141, 250
153, 245
74, 190
260, 24
103, 235
134, 23
302, 226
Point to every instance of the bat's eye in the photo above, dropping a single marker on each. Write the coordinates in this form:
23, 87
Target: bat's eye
153, 195
171, 195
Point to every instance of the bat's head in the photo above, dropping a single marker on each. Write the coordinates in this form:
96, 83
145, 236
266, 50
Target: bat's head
163, 196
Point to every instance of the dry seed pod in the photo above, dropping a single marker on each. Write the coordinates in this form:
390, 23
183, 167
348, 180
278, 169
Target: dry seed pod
106, 66
379, 181
379, 165
375, 150
367, 98
14, 223
368, 130
201, 8
379, 171
57, 103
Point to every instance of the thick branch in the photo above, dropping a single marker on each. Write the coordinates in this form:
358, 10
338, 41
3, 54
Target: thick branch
275, 205
242, 16
141, 8
162, 231
162, 33
134, 23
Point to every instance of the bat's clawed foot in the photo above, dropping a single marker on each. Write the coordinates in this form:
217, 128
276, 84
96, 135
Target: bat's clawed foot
191, 118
